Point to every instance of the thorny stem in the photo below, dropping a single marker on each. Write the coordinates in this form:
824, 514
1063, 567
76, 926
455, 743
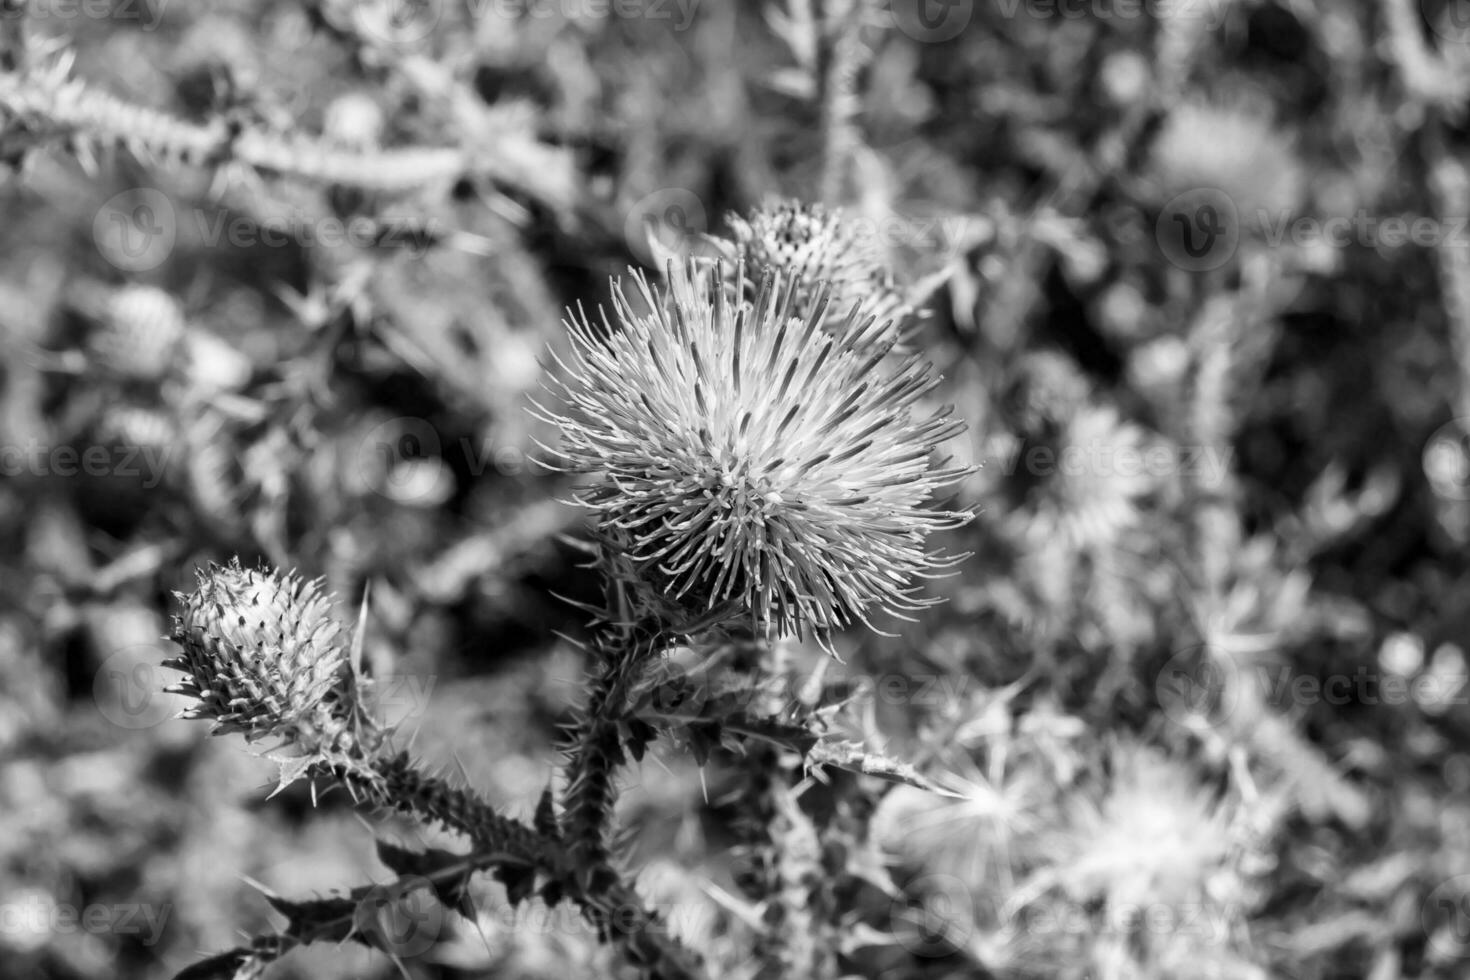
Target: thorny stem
396, 782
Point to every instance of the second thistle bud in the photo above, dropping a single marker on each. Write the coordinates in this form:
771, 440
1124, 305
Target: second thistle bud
819, 249
264, 656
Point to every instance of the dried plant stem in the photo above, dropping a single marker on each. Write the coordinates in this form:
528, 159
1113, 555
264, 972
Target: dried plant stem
54, 105
49, 103
1449, 186
841, 56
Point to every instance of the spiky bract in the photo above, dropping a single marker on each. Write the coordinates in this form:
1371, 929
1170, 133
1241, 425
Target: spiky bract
748, 458
263, 654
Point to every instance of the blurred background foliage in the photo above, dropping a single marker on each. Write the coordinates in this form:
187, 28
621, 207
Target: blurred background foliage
1206, 662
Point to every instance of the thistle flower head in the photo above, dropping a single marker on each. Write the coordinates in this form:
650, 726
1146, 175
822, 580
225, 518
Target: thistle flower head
1084, 478
1156, 834
750, 459
139, 330
810, 245
262, 654
1234, 148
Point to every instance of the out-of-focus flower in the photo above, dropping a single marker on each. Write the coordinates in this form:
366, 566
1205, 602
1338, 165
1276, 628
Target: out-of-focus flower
262, 654
1155, 835
750, 460
1092, 485
814, 247
1234, 149
138, 330
1077, 470
354, 120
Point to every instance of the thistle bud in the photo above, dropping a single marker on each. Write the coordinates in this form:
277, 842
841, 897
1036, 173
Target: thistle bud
811, 245
747, 458
263, 655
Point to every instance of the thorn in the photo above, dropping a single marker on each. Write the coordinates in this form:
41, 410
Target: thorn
258, 886
357, 641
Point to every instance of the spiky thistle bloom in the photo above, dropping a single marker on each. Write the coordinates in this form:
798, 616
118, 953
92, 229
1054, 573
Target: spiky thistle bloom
263, 655
811, 245
750, 459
